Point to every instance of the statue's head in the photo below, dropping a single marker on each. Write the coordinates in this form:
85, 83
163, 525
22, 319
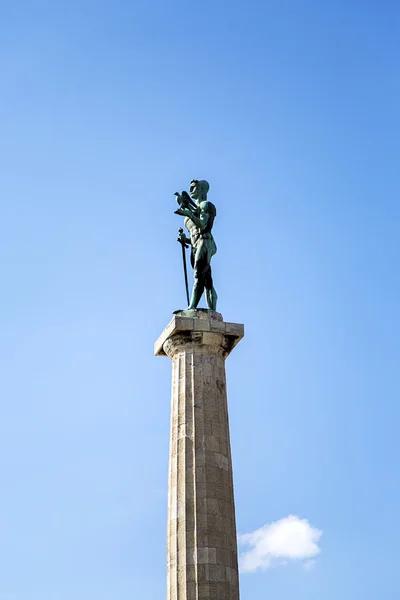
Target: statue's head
199, 189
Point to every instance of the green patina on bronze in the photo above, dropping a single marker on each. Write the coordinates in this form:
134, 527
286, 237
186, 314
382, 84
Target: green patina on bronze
199, 216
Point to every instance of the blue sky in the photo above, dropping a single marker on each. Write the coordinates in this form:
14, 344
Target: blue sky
290, 109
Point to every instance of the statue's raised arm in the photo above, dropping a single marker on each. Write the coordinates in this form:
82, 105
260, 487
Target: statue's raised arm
199, 216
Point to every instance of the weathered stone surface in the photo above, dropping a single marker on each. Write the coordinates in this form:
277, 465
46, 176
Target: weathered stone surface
202, 546
199, 321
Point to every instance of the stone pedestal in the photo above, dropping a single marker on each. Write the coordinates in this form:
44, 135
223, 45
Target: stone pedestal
202, 546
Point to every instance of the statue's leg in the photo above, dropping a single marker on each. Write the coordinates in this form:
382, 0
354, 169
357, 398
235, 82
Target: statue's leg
211, 294
197, 292
200, 270
198, 285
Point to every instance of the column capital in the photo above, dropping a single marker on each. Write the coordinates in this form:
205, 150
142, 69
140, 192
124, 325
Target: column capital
199, 329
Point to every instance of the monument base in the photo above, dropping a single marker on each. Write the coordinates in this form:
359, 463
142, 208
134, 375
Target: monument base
202, 545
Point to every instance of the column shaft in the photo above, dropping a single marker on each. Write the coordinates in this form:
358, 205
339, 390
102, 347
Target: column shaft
202, 547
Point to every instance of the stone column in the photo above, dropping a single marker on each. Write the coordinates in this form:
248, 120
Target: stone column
202, 547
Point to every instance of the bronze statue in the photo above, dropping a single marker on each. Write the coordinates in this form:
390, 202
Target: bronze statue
199, 216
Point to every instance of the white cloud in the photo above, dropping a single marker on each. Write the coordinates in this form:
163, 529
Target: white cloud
275, 544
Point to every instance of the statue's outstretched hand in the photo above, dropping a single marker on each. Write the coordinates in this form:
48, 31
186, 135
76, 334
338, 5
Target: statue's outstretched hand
181, 211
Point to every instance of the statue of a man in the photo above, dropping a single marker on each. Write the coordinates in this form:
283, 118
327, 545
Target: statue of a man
200, 215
